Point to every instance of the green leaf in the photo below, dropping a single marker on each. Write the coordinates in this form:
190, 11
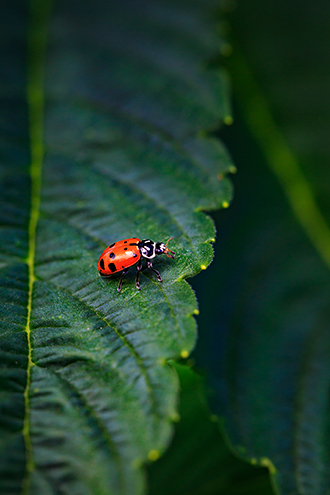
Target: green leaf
101, 141
198, 461
271, 359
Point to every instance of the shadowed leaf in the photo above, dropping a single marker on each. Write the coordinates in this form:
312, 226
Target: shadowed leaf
100, 142
272, 367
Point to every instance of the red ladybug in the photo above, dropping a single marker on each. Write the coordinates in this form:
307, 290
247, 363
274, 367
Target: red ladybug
119, 256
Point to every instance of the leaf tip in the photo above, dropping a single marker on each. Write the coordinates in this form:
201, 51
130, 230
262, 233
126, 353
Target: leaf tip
175, 417
265, 462
228, 120
203, 267
153, 455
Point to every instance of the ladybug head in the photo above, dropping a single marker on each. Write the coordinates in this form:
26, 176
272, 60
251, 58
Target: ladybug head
162, 248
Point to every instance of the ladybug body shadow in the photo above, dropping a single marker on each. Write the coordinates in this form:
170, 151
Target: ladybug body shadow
121, 255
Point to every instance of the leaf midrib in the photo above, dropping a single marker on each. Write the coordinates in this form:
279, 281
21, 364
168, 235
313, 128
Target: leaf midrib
36, 48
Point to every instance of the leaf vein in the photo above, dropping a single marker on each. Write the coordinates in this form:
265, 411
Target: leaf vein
36, 46
103, 429
127, 344
132, 185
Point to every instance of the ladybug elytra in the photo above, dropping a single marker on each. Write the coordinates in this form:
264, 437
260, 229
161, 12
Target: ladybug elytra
121, 255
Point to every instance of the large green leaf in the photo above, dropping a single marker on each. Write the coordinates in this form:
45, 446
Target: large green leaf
108, 147
271, 360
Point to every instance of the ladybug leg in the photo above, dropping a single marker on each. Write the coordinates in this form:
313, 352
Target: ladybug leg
139, 268
149, 264
123, 273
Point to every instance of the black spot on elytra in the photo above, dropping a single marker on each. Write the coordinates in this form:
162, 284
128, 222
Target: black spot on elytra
133, 244
102, 264
111, 245
125, 249
112, 267
125, 242
112, 256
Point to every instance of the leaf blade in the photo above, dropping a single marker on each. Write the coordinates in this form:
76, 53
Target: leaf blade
100, 392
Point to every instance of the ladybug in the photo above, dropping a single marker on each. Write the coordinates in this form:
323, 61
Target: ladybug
121, 255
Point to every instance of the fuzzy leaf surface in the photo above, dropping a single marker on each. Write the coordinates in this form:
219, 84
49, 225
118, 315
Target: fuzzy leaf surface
101, 109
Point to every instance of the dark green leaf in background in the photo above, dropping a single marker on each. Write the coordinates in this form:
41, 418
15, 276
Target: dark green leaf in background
271, 365
101, 109
198, 462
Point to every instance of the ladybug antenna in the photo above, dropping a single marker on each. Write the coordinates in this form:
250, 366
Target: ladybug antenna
168, 241
167, 251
